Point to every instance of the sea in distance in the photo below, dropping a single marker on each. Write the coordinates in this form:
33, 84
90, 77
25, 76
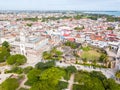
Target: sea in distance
113, 13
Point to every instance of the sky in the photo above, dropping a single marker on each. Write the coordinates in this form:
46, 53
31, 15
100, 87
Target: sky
60, 5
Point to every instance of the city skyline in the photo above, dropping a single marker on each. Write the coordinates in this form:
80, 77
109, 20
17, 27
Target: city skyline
60, 5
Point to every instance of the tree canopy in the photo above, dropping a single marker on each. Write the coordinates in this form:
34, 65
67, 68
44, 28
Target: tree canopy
71, 44
71, 69
4, 54
117, 74
46, 65
17, 59
48, 78
54, 54
34, 75
52, 75
94, 81
5, 44
9, 84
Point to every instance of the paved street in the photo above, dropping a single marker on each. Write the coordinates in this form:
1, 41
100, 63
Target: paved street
109, 73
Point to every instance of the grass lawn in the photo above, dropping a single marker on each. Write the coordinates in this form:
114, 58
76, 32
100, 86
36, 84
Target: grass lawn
90, 55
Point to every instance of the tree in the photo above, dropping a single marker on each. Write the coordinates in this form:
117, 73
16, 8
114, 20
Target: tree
71, 69
110, 28
77, 17
46, 55
58, 53
113, 85
29, 24
16, 69
71, 44
11, 60
46, 65
5, 44
27, 69
34, 75
117, 74
79, 28
103, 58
42, 85
54, 54
9, 84
88, 82
4, 54
17, 59
52, 76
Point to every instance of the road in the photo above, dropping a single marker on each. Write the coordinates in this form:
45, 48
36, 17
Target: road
109, 73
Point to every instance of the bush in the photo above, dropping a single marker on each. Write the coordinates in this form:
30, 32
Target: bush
27, 69
15, 69
17, 59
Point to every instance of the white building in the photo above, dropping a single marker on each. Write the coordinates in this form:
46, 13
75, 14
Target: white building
30, 46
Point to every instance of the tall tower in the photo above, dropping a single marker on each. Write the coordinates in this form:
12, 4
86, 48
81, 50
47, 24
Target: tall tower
22, 43
117, 66
118, 52
1, 34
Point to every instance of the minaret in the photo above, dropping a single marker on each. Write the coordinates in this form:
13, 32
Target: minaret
22, 43
117, 66
1, 34
118, 52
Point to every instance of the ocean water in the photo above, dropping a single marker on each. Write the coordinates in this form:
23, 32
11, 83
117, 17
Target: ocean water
114, 13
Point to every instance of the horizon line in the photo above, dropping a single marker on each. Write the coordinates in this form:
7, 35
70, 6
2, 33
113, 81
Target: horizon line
56, 10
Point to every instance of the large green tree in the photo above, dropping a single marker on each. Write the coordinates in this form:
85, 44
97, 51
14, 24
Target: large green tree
52, 75
4, 54
34, 75
48, 79
71, 69
17, 59
46, 65
5, 44
112, 85
9, 84
42, 85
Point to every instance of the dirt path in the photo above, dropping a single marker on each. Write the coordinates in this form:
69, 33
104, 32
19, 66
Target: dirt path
71, 82
22, 84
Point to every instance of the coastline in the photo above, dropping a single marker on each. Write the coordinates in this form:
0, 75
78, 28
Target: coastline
113, 13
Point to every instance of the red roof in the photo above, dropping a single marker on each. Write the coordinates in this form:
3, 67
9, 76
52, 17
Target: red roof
71, 39
66, 34
111, 35
96, 37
